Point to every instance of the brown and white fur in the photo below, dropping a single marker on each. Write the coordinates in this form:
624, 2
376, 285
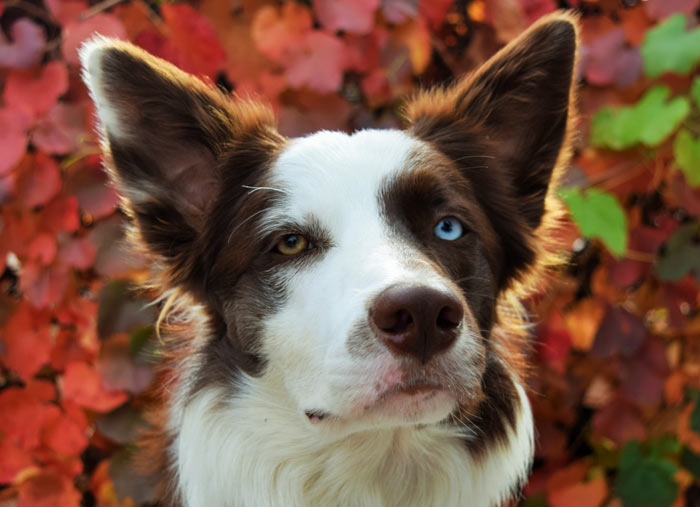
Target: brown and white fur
379, 365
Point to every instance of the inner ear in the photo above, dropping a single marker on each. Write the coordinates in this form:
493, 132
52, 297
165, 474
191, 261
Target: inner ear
175, 146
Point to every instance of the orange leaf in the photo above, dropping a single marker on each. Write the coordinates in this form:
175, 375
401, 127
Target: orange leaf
48, 489
275, 31
416, 37
583, 494
83, 385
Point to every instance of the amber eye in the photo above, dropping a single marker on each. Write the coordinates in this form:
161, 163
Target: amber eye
292, 244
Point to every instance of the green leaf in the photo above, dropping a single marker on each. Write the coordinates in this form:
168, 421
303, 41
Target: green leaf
669, 48
139, 338
690, 461
686, 149
598, 215
681, 254
664, 446
650, 121
537, 500
645, 481
695, 90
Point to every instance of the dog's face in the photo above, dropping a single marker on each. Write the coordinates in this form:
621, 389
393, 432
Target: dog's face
373, 237
357, 273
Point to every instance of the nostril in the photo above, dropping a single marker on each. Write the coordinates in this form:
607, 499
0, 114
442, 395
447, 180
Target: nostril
400, 321
450, 317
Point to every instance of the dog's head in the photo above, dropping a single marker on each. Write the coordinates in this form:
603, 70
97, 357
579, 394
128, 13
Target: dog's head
357, 274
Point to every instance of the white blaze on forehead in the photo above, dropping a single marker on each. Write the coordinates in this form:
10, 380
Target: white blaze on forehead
336, 177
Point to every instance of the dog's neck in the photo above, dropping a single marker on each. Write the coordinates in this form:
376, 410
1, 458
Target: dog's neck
256, 450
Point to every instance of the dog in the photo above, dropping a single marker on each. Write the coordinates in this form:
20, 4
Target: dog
341, 322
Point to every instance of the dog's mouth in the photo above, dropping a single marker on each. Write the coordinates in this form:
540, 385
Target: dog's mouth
407, 397
316, 416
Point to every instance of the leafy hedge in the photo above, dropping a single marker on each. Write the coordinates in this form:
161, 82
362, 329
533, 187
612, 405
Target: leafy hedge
615, 389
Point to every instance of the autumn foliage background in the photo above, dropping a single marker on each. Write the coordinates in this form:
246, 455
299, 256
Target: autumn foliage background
616, 344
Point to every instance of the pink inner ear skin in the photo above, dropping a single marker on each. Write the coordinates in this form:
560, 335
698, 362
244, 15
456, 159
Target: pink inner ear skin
192, 174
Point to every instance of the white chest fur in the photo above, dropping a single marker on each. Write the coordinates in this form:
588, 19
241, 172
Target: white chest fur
251, 451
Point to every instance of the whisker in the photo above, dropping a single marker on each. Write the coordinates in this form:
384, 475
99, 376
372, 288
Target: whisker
273, 189
465, 157
235, 229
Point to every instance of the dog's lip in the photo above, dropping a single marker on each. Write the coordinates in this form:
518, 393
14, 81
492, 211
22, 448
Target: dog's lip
413, 387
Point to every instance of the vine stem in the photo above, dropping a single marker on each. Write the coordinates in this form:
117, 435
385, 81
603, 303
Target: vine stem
100, 7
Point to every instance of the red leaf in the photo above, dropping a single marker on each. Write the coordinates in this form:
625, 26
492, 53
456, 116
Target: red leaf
642, 377
554, 342
64, 435
27, 340
76, 32
609, 60
276, 32
83, 385
66, 11
619, 332
79, 253
12, 460
95, 196
620, 422
44, 285
59, 131
41, 182
42, 249
36, 91
39, 390
13, 137
535, 9
434, 11
319, 65
68, 348
48, 489
80, 314
193, 46
61, 214
27, 46
24, 412
363, 52
354, 16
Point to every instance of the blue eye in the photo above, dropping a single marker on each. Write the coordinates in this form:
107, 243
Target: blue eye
449, 229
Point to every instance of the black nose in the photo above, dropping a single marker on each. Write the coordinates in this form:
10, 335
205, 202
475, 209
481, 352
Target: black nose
417, 321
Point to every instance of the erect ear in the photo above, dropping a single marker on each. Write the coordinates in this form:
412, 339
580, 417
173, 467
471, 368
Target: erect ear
170, 141
506, 125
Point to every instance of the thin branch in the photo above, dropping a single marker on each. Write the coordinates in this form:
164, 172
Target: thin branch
100, 7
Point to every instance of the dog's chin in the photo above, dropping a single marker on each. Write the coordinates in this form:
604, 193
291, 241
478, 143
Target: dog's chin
413, 405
